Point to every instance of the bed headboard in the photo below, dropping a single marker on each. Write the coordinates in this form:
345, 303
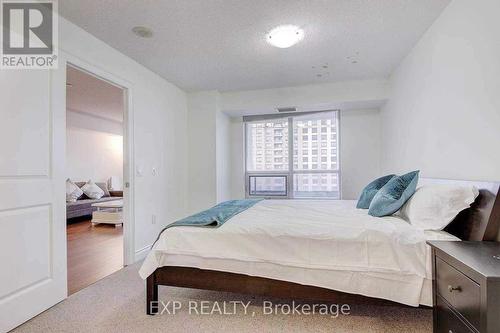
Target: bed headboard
480, 222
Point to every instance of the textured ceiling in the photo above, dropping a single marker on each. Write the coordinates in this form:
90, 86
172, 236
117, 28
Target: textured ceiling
89, 94
220, 44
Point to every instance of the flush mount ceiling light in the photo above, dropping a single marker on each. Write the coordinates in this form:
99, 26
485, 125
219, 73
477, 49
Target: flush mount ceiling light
285, 36
143, 32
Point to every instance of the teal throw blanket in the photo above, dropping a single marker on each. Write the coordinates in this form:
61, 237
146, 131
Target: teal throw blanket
215, 216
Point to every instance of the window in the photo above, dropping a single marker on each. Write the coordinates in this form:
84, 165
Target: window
298, 169
267, 185
262, 131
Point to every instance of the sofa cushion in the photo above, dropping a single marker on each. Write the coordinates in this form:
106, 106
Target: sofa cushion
104, 188
84, 202
92, 191
83, 196
73, 192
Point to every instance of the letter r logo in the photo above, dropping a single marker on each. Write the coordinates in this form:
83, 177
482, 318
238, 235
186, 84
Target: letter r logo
27, 27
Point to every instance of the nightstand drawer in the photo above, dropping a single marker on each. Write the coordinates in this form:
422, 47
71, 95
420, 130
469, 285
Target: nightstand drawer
459, 291
447, 321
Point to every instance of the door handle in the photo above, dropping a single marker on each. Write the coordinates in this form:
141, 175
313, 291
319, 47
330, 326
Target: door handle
452, 289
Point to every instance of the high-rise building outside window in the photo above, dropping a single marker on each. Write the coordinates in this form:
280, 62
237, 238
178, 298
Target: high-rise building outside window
300, 158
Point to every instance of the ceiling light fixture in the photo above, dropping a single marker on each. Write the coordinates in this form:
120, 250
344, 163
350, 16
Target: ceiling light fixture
285, 36
143, 32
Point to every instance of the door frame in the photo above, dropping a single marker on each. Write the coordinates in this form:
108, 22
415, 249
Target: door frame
128, 145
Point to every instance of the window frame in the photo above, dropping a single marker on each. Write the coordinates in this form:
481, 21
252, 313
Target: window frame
269, 195
289, 174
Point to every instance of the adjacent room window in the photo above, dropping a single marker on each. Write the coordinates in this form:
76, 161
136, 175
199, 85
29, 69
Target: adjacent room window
294, 156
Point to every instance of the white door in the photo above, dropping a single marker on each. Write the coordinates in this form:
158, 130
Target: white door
32, 193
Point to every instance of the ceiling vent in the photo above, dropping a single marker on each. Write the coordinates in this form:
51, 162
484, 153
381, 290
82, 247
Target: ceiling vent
287, 109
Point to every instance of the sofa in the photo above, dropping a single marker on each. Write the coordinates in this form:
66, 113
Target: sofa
83, 206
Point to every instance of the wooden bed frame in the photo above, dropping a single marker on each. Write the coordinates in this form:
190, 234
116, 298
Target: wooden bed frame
481, 222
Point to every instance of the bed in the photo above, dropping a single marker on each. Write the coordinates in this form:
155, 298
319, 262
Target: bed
314, 250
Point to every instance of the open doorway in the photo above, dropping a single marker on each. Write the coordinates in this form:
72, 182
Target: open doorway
95, 113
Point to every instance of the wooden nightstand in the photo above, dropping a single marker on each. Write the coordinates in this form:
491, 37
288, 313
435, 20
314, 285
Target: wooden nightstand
466, 286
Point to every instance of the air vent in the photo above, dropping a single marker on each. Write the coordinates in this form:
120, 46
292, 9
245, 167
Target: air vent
287, 109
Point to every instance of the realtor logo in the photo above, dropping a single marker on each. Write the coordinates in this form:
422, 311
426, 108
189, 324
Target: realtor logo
29, 34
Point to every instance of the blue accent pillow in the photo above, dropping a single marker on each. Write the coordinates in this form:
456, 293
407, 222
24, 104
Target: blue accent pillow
370, 190
392, 196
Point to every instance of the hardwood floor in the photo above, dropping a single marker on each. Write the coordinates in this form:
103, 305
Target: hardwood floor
93, 253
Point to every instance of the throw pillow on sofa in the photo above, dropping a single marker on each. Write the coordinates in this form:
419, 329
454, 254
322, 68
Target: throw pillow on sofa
92, 191
104, 188
73, 192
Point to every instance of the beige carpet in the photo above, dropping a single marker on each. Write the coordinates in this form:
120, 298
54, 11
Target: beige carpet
117, 304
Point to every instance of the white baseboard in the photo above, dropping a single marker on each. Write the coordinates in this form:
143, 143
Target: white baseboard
142, 253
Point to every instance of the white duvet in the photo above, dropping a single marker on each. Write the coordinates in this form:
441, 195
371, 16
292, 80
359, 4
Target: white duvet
324, 243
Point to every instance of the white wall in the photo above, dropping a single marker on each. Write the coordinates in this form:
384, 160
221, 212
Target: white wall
94, 148
202, 109
223, 151
443, 116
359, 152
343, 95
160, 127
209, 151
237, 154
217, 145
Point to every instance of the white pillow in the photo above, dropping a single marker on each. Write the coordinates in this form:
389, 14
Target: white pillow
73, 192
433, 207
92, 190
